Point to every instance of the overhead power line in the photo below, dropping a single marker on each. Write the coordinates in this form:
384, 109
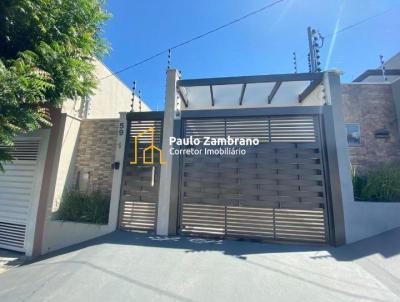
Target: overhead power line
233, 22
358, 23
194, 38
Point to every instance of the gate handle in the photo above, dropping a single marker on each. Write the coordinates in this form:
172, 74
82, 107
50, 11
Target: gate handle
152, 175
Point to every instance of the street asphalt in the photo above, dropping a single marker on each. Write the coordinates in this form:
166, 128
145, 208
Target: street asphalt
10, 259
126, 266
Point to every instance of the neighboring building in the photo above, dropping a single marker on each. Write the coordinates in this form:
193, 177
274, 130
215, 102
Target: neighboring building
371, 108
48, 162
391, 70
393, 62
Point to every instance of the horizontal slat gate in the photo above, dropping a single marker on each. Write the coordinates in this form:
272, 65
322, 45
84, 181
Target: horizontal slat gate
139, 196
276, 191
16, 189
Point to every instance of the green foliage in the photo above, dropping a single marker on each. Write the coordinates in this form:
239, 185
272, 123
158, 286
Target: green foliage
46, 56
84, 207
378, 184
22, 98
358, 182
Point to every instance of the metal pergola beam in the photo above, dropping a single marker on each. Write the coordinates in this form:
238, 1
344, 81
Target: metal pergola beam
242, 94
183, 97
212, 96
144, 115
292, 77
310, 88
274, 91
249, 112
376, 72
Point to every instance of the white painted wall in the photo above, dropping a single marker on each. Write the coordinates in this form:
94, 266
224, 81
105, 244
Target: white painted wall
73, 107
171, 108
117, 176
361, 219
61, 179
111, 96
61, 234
366, 219
31, 225
68, 149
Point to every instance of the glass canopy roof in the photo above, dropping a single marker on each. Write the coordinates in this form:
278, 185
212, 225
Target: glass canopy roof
252, 91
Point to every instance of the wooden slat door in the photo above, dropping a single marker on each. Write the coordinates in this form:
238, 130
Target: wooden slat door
274, 192
140, 183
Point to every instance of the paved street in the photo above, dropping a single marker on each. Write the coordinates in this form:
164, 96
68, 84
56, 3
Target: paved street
135, 267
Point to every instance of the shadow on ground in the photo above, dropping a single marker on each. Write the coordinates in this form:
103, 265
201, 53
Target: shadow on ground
9, 259
386, 244
155, 272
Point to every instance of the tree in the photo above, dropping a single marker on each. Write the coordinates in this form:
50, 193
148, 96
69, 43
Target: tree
46, 56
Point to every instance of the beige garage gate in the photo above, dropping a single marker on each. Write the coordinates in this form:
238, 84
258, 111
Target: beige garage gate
20, 186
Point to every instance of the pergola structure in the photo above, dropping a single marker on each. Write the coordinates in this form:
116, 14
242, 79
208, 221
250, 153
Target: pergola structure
250, 91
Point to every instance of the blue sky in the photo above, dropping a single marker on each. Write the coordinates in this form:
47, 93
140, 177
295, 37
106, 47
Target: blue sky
261, 44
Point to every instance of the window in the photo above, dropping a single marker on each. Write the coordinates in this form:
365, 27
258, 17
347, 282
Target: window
353, 134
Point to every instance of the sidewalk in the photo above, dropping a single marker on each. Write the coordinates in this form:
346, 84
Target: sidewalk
124, 266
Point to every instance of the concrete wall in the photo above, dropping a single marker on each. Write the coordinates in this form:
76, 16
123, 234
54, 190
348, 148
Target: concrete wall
117, 175
84, 140
97, 147
396, 100
372, 106
73, 107
61, 234
110, 98
167, 204
68, 143
96, 140
366, 219
341, 189
89, 146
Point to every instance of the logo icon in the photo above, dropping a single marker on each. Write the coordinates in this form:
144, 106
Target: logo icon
150, 149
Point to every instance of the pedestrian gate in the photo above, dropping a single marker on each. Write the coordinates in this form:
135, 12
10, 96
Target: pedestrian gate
277, 191
140, 183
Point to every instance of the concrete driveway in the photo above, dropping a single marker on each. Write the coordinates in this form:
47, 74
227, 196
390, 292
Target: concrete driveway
136, 267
